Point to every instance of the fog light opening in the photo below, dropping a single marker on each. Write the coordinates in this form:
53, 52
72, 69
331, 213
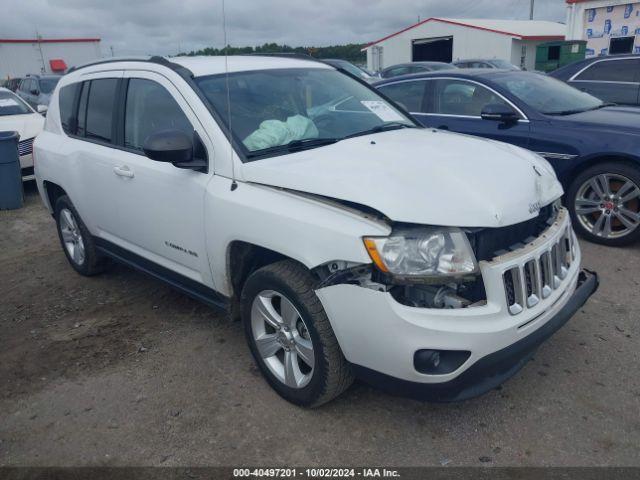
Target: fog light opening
439, 362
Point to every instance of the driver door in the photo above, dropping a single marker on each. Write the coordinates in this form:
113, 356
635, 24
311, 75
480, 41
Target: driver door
456, 105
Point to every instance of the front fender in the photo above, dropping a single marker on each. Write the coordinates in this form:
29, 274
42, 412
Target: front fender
298, 227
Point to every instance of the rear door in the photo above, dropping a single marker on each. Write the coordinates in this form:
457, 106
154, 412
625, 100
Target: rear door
160, 206
91, 147
611, 80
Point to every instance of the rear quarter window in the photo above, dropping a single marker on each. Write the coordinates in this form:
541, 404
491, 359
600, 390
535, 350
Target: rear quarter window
68, 117
612, 71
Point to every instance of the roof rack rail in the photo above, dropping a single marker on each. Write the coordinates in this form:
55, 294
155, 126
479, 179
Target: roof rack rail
151, 59
302, 56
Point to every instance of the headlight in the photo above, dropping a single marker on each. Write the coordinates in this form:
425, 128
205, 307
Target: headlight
423, 252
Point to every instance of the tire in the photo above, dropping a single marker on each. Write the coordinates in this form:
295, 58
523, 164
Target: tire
265, 295
71, 229
601, 216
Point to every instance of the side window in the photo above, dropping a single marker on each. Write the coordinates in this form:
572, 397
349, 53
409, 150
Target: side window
612, 71
409, 95
150, 108
67, 97
24, 86
82, 109
35, 85
394, 72
458, 97
100, 105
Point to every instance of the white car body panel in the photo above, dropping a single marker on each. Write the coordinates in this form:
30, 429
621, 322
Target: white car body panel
420, 176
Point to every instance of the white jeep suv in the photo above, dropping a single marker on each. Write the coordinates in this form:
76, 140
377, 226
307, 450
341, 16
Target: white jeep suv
350, 241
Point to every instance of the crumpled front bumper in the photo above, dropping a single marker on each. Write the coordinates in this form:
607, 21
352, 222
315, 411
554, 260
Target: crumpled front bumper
492, 370
380, 336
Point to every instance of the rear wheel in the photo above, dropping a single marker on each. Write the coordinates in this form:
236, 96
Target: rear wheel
290, 336
76, 240
604, 202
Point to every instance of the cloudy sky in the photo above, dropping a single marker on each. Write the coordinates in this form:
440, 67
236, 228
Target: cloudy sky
137, 27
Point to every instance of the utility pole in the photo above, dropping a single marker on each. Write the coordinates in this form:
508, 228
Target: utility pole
44, 65
531, 10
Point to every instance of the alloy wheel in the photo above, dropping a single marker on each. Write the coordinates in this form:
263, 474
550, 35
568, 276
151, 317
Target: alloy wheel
608, 205
282, 339
71, 236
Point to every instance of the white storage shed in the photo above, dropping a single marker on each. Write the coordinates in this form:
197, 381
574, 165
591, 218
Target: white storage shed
449, 39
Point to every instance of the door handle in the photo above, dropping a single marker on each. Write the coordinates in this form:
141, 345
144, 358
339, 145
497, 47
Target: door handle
123, 171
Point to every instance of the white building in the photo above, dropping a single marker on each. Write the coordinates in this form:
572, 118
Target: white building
448, 39
18, 57
610, 27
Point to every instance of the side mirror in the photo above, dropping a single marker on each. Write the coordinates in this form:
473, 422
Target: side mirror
171, 146
34, 91
499, 112
42, 109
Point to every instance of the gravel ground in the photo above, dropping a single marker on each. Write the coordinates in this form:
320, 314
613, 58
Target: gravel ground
121, 370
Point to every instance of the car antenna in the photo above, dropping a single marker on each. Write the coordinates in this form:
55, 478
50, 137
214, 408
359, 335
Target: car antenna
234, 184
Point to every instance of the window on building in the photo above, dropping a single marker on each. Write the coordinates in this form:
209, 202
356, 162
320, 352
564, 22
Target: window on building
554, 52
621, 45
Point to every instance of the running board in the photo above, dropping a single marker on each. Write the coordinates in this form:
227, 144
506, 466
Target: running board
186, 285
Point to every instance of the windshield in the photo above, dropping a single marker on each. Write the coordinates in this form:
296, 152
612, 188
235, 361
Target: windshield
547, 95
353, 70
10, 104
278, 111
48, 84
503, 64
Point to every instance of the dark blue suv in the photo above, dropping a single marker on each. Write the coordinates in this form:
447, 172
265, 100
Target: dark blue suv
593, 146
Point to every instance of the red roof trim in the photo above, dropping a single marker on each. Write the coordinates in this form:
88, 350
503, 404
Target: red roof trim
48, 40
523, 37
577, 1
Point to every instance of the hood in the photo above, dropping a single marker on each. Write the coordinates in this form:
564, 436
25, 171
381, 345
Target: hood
420, 176
28, 125
616, 119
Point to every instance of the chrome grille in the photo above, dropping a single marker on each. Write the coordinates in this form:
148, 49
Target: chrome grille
528, 284
25, 147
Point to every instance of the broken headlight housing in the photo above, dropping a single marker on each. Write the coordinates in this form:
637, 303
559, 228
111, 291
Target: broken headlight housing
424, 254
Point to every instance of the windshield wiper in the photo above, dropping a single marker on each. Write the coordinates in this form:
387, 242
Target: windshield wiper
385, 127
294, 146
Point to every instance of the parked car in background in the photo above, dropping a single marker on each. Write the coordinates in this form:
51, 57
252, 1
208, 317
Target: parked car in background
13, 83
612, 79
414, 67
593, 146
352, 69
17, 116
350, 241
485, 63
36, 89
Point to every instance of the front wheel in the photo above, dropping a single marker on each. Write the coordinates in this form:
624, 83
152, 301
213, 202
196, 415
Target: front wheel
290, 337
604, 202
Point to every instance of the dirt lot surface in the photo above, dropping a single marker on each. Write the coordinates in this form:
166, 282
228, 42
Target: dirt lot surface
121, 370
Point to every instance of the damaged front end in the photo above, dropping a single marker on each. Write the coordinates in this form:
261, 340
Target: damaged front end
436, 268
